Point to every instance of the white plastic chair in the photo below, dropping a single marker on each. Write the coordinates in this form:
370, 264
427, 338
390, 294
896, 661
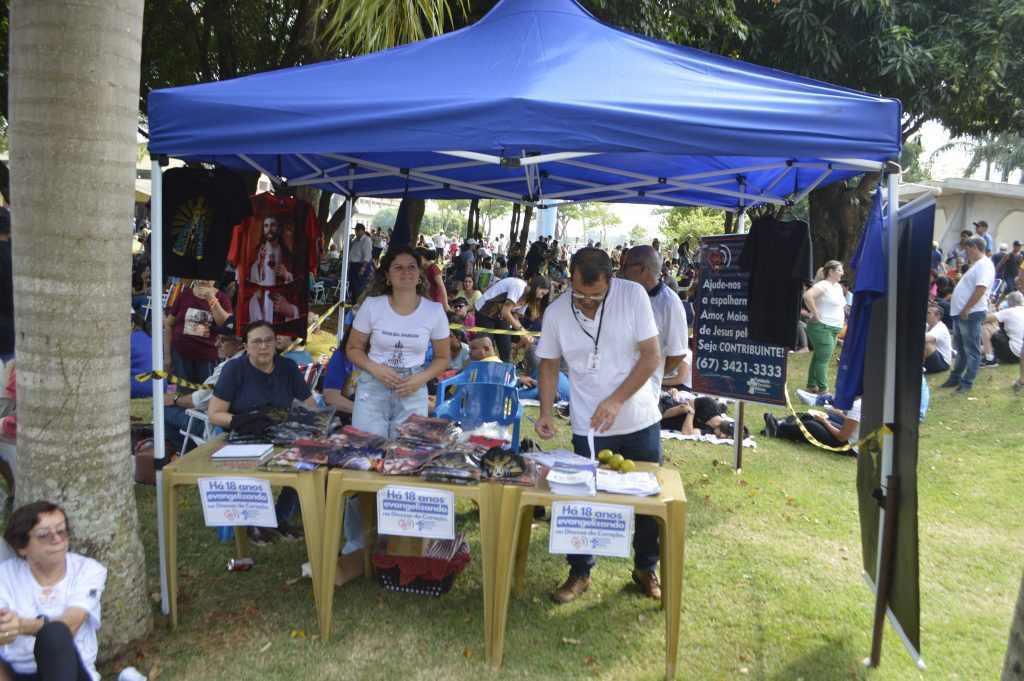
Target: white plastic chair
195, 415
319, 294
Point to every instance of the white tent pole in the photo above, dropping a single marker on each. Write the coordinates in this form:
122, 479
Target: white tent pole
343, 286
156, 312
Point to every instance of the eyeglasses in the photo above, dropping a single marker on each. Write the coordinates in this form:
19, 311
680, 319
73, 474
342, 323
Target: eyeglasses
46, 535
260, 341
595, 297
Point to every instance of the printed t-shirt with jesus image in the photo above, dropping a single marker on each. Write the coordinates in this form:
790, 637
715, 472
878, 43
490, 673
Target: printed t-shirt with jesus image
398, 341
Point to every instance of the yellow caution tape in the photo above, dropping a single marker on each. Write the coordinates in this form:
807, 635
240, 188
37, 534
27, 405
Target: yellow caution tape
150, 375
876, 435
503, 332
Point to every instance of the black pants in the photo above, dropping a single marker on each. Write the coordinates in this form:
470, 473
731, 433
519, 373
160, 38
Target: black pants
502, 342
789, 429
57, 658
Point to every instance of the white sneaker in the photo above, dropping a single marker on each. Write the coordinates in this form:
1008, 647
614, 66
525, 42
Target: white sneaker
807, 397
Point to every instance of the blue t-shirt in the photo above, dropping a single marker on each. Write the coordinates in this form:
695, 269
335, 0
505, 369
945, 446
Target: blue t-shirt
141, 362
300, 356
245, 387
339, 370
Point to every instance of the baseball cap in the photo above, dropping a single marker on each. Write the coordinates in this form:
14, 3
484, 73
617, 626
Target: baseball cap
459, 301
227, 328
1017, 242
981, 223
1003, 247
471, 242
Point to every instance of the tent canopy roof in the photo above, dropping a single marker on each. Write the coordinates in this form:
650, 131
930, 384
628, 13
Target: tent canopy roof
536, 101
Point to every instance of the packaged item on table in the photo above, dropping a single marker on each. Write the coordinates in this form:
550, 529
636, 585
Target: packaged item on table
400, 459
490, 434
301, 422
426, 431
501, 464
302, 455
456, 466
356, 459
353, 437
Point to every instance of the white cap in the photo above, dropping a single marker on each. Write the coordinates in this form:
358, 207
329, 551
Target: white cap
1003, 247
471, 242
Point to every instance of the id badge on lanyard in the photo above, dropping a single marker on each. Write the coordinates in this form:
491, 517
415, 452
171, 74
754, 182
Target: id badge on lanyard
594, 362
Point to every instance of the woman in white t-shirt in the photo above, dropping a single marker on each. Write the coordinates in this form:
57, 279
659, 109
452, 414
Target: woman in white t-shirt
827, 305
49, 599
506, 305
390, 335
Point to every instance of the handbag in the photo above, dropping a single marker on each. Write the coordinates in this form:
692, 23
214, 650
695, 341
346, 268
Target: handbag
492, 308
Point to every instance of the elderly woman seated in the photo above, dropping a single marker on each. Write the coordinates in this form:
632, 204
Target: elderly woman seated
49, 599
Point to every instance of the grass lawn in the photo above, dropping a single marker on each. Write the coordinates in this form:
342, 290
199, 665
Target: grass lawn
773, 586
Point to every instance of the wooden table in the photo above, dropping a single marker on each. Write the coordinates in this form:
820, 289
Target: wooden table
187, 471
668, 507
341, 483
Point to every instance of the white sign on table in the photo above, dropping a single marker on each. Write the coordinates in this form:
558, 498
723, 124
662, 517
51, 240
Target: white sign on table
596, 529
416, 512
237, 501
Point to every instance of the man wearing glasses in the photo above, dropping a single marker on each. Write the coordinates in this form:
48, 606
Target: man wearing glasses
605, 330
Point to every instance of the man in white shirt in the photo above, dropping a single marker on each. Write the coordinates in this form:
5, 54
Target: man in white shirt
440, 242
938, 346
605, 330
969, 307
643, 265
360, 261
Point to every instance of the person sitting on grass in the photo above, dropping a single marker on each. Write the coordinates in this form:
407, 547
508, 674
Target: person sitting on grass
481, 349
938, 346
695, 416
1003, 332
49, 599
831, 427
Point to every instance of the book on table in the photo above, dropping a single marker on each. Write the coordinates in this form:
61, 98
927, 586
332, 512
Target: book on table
233, 452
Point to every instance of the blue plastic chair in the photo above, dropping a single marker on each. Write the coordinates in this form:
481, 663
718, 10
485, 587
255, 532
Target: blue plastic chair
477, 403
499, 373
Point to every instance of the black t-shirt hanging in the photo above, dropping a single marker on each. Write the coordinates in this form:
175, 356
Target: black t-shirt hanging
779, 259
201, 208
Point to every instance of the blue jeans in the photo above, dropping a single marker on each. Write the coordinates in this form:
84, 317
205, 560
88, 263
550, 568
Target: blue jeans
377, 410
534, 392
640, 445
967, 343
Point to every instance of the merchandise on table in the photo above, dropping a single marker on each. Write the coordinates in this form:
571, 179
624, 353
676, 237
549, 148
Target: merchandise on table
301, 422
400, 459
353, 437
456, 466
501, 464
426, 431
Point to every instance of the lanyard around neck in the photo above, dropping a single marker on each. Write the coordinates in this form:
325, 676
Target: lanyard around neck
600, 324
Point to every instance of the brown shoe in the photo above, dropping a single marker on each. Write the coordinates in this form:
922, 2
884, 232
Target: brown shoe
570, 590
648, 581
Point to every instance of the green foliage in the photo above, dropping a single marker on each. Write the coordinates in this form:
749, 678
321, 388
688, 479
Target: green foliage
594, 217
690, 223
915, 168
638, 235
359, 27
696, 23
385, 218
956, 62
1003, 152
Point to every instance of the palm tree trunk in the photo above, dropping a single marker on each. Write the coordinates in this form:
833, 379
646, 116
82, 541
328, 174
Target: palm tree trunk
1013, 668
74, 110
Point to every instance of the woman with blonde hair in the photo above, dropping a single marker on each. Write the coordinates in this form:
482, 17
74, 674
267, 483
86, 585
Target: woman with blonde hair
826, 303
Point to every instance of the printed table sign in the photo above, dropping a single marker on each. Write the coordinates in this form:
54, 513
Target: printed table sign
416, 512
597, 529
237, 501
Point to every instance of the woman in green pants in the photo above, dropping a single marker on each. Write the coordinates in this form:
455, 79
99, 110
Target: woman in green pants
826, 303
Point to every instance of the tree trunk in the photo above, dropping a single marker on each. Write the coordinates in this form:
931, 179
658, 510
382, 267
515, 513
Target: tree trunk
74, 111
1013, 667
838, 213
524, 231
417, 208
513, 232
473, 220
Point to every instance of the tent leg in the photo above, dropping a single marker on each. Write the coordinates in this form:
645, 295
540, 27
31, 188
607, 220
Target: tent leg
737, 437
892, 499
157, 309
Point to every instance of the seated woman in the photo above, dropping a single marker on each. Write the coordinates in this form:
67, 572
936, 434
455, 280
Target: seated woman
141, 356
833, 429
340, 382
245, 388
695, 416
49, 600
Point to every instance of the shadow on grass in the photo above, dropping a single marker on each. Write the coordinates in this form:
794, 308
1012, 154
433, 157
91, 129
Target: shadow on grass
831, 660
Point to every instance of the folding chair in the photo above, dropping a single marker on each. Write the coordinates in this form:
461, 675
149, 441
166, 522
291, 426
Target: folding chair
196, 416
319, 294
499, 373
311, 373
476, 403
996, 291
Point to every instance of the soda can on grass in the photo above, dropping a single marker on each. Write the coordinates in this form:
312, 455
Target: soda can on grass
240, 564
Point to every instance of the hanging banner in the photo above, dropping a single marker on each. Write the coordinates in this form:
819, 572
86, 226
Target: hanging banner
596, 529
416, 512
237, 501
726, 362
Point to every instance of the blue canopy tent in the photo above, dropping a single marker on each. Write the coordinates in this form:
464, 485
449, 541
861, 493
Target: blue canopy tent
537, 102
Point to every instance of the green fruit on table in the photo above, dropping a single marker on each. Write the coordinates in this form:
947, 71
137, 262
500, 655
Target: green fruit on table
616, 461
627, 466
604, 456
